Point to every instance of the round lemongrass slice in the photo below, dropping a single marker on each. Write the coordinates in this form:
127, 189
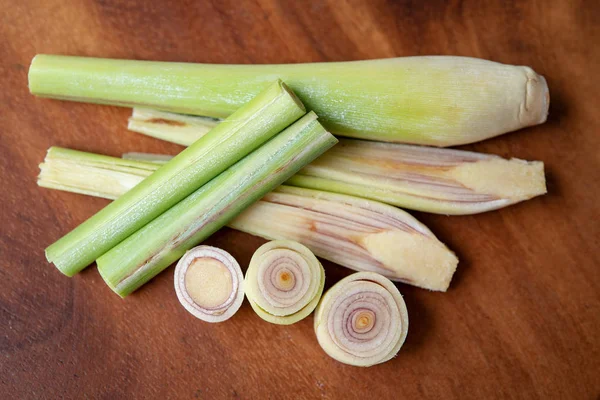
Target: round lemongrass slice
362, 320
284, 282
209, 283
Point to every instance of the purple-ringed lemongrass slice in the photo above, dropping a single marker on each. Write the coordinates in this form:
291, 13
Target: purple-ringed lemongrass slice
209, 283
284, 282
362, 320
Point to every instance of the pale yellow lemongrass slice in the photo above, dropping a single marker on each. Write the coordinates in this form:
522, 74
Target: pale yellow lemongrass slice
362, 320
209, 283
284, 282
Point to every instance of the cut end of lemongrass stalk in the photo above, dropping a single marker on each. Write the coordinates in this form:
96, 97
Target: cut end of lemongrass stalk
360, 234
534, 109
362, 320
91, 174
209, 283
172, 127
284, 282
443, 181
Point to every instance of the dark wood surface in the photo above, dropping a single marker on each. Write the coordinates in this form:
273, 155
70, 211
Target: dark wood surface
522, 316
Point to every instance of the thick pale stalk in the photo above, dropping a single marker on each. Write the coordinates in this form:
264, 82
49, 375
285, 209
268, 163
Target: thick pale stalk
350, 231
440, 101
209, 283
250, 126
284, 282
154, 247
362, 320
421, 178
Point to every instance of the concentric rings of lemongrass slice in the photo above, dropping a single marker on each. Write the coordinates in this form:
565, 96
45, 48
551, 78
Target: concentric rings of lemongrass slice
284, 282
362, 320
209, 283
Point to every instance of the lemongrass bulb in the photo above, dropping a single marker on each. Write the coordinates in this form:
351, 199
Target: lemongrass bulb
362, 320
284, 282
209, 283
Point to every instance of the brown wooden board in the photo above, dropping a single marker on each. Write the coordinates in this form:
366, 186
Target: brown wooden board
521, 318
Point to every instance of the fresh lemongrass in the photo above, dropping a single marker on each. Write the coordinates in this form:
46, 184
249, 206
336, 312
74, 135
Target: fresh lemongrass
352, 232
284, 282
209, 283
442, 181
177, 128
362, 320
147, 157
360, 234
245, 130
432, 100
154, 247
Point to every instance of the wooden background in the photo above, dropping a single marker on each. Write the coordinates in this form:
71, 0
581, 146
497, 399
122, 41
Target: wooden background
522, 316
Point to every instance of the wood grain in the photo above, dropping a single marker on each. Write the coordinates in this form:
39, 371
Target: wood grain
521, 319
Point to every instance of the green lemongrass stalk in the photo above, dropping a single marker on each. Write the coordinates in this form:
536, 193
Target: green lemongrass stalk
284, 282
245, 130
440, 101
352, 232
442, 181
154, 247
362, 320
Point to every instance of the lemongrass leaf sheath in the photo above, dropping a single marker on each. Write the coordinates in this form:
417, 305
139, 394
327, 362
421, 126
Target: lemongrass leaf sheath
284, 282
209, 283
442, 181
362, 320
356, 233
436, 100
154, 247
245, 130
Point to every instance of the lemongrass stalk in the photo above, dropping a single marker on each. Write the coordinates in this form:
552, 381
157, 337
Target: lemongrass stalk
154, 247
434, 100
209, 283
284, 282
442, 181
246, 129
356, 233
147, 157
344, 229
362, 320
178, 128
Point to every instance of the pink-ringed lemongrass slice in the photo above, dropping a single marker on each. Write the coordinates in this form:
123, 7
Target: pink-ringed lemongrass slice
209, 283
362, 320
284, 282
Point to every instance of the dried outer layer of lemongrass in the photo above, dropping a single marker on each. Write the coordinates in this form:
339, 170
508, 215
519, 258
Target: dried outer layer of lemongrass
249, 127
209, 283
442, 181
433, 100
362, 320
154, 247
284, 282
357, 233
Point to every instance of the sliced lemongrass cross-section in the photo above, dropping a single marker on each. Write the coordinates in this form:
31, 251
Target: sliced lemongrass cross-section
209, 283
362, 320
284, 282
442, 181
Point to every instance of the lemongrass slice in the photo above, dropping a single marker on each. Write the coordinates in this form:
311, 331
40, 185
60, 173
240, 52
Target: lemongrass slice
362, 320
284, 282
209, 283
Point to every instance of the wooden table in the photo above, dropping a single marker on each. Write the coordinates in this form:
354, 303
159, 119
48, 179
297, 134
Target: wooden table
522, 316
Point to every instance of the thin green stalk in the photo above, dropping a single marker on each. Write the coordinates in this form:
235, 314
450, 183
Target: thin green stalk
440, 101
154, 247
245, 130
